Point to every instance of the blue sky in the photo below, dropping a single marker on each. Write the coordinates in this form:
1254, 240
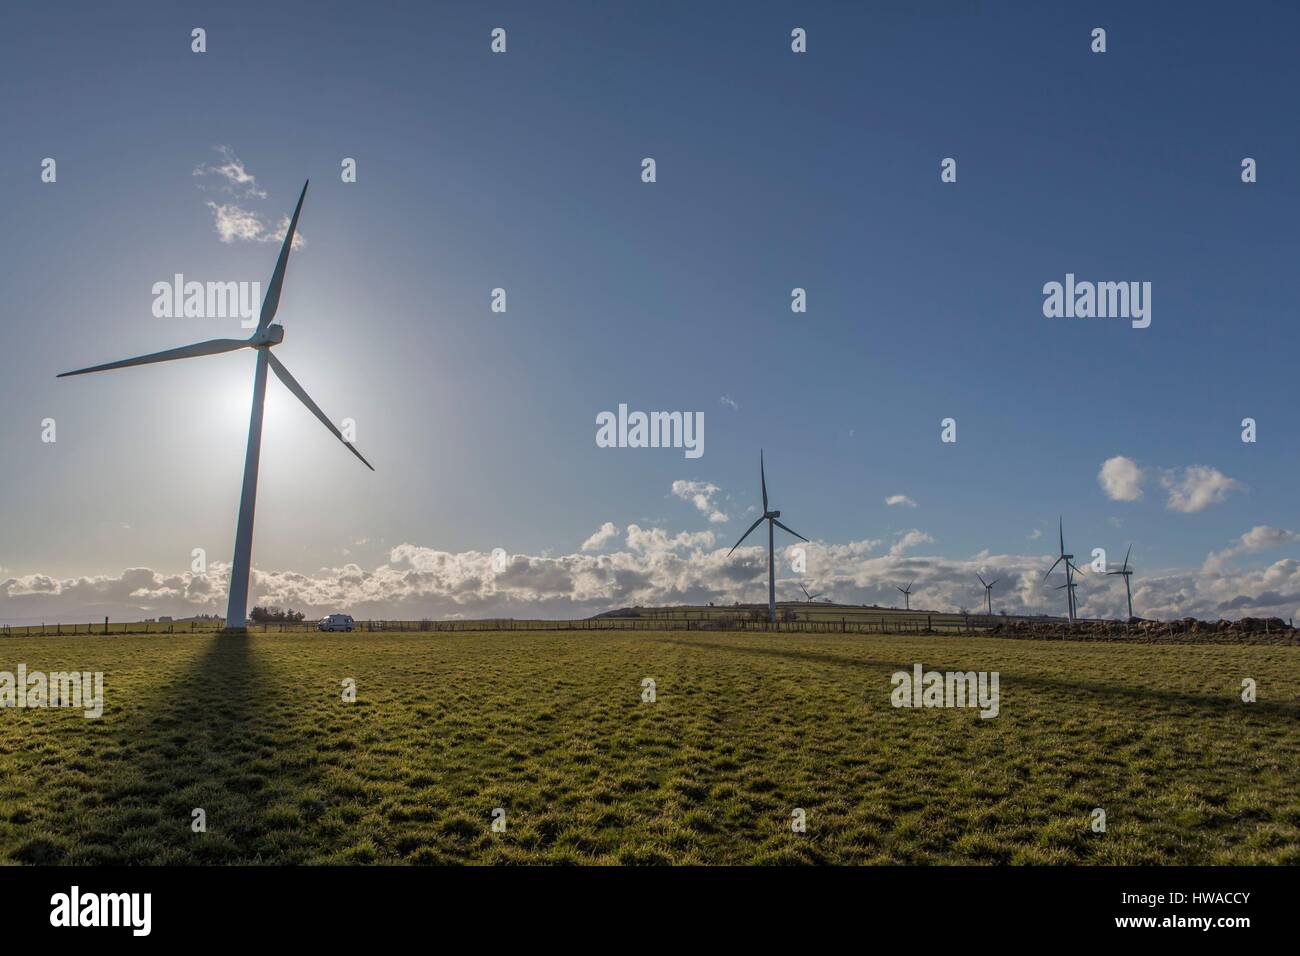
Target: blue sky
775, 170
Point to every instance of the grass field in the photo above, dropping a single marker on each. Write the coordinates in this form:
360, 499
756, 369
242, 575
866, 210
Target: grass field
551, 727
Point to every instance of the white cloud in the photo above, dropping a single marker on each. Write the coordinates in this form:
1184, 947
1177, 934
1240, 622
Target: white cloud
701, 494
729, 402
1035, 534
1190, 489
232, 221
234, 178
1259, 538
647, 540
607, 532
1197, 487
900, 500
909, 539
1121, 479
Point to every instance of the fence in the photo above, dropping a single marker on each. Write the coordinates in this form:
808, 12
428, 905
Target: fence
915, 623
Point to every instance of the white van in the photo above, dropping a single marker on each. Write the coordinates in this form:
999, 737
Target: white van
336, 622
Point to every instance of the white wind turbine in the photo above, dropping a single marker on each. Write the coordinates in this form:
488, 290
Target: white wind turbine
988, 591
1127, 572
1071, 602
263, 339
771, 518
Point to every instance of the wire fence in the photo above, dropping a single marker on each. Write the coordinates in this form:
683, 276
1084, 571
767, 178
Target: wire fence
914, 623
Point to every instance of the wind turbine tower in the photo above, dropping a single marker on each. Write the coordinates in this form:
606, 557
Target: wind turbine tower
907, 594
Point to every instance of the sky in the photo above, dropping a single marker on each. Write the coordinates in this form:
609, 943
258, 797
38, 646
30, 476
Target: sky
774, 170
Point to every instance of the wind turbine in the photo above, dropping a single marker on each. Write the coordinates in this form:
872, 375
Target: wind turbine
263, 339
771, 518
988, 591
1128, 573
1069, 585
907, 594
810, 596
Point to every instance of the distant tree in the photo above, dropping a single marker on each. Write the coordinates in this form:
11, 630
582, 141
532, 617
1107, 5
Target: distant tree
274, 615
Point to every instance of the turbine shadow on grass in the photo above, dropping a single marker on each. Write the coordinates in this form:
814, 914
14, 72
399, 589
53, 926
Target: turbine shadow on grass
1220, 702
214, 740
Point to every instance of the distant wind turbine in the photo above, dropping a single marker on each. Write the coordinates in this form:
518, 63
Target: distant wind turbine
988, 591
1069, 585
1127, 572
771, 518
263, 339
907, 594
810, 596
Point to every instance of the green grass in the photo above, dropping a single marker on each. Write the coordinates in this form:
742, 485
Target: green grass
551, 727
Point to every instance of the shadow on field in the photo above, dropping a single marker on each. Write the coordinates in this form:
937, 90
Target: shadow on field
215, 740
1134, 694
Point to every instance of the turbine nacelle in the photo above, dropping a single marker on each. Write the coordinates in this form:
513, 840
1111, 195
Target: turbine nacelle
771, 514
271, 335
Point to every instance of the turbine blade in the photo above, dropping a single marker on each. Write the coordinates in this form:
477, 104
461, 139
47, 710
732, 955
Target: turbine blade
795, 533
745, 535
283, 374
981, 577
994, 581
762, 477
1126, 554
1061, 527
1052, 568
212, 347
272, 300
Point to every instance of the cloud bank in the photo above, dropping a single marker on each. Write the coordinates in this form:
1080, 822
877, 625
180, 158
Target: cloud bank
652, 566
